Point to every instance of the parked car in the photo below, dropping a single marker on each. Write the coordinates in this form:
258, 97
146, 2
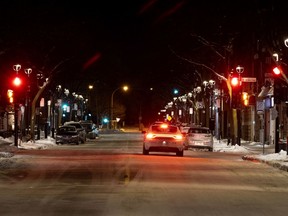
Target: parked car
67, 134
163, 137
80, 129
199, 137
184, 129
91, 131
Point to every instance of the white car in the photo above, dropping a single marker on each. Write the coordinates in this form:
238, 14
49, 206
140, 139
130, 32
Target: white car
199, 137
163, 138
184, 130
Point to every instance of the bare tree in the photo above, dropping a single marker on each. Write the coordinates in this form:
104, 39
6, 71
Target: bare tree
47, 81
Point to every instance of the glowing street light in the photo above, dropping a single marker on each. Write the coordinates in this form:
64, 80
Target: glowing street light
124, 88
286, 42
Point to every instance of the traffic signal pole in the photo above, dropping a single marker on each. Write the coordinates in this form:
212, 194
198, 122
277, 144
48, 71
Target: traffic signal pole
277, 146
236, 88
16, 125
277, 103
16, 83
239, 127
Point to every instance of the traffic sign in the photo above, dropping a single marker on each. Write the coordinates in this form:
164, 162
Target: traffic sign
248, 79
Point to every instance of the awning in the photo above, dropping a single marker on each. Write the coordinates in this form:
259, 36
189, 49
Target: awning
265, 92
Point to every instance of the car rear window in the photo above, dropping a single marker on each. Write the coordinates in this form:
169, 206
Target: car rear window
199, 130
87, 126
66, 130
76, 125
169, 129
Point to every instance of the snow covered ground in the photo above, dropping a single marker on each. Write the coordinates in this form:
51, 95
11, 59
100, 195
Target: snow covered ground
279, 160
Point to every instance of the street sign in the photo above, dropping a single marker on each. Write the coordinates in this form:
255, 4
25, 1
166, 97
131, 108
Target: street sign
248, 79
169, 118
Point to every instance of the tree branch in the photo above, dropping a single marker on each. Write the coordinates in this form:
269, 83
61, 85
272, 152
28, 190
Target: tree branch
199, 64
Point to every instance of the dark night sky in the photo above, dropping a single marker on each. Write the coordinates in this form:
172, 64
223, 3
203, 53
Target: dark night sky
128, 39
110, 43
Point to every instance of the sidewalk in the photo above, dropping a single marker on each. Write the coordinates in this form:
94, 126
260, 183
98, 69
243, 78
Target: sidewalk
258, 148
266, 154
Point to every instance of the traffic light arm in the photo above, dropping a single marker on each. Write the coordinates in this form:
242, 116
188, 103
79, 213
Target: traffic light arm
284, 76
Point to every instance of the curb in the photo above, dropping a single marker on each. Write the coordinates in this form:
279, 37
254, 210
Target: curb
275, 164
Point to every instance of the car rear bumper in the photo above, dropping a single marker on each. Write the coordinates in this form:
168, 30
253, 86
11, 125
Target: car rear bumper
200, 145
67, 140
164, 146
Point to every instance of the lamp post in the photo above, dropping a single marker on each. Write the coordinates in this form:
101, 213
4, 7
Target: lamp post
209, 92
77, 106
89, 104
210, 86
239, 70
28, 71
197, 104
125, 88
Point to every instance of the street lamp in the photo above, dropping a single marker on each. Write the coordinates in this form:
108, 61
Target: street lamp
239, 70
209, 102
197, 103
210, 86
89, 104
27, 71
124, 88
286, 42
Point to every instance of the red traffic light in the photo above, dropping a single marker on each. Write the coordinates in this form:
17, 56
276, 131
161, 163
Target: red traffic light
276, 70
235, 81
17, 82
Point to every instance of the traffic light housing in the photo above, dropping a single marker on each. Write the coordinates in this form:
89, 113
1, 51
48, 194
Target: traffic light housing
17, 85
235, 82
278, 85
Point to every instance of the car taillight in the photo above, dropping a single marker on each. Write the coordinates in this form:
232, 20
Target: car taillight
164, 126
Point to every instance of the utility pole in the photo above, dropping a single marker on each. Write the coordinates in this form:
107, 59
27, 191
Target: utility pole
277, 91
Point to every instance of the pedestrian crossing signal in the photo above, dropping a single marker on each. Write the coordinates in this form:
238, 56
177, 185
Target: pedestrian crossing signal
10, 96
